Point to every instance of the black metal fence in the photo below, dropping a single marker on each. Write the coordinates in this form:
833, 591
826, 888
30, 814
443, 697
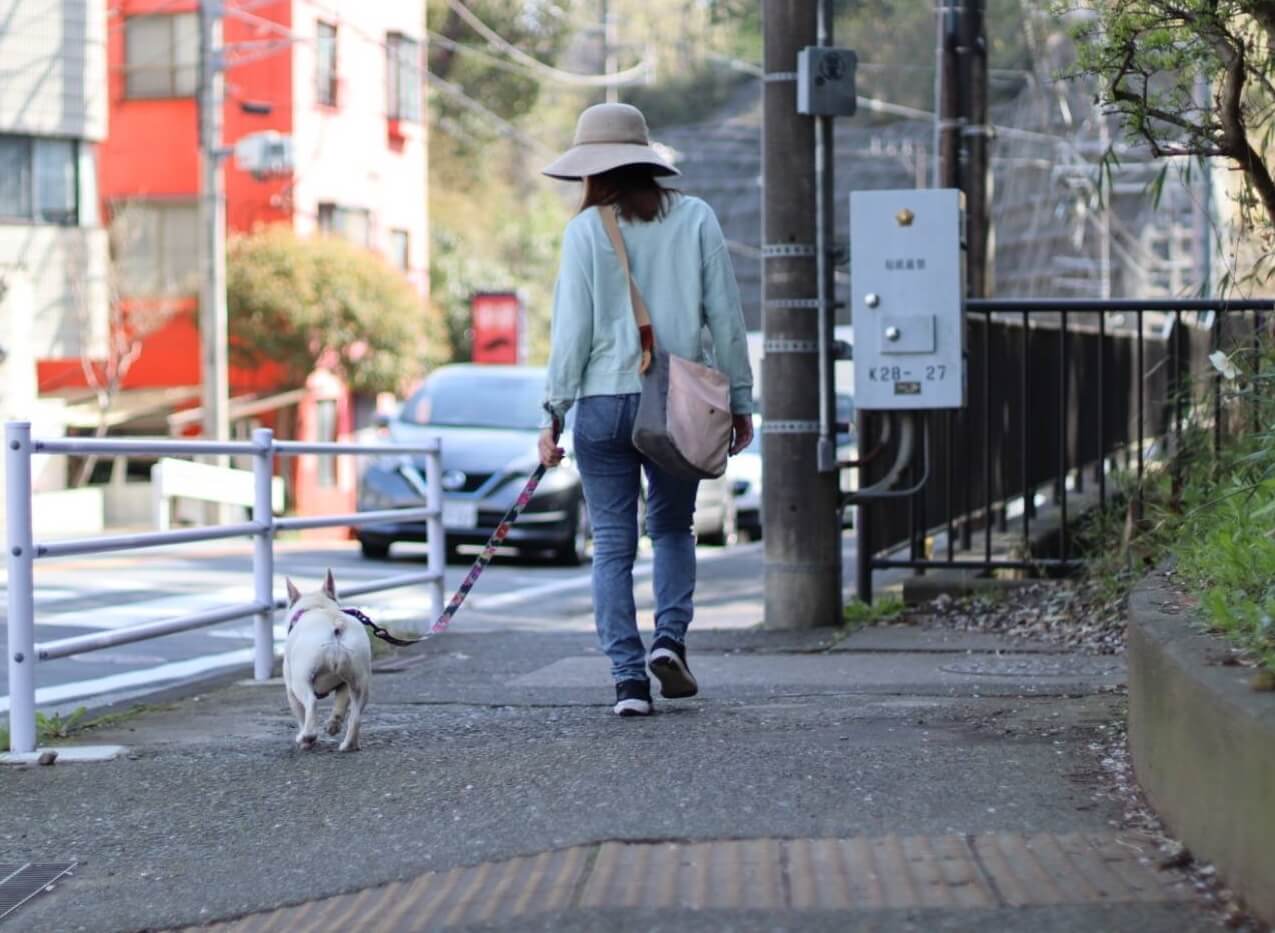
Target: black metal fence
1060, 393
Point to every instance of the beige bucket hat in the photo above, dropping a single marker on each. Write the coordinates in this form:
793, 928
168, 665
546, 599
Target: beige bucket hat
608, 136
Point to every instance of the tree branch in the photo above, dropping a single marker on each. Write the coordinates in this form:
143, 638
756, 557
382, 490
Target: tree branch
1231, 117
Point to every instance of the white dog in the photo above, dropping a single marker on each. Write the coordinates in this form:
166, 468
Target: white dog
327, 651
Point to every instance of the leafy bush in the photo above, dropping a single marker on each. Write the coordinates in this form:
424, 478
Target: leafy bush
1219, 523
1224, 538
301, 301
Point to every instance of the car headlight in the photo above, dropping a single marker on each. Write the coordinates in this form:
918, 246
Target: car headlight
555, 480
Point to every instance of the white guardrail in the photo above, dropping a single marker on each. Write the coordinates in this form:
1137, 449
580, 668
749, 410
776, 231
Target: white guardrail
23, 550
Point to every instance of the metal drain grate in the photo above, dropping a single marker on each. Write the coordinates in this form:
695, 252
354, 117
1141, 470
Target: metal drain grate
20, 883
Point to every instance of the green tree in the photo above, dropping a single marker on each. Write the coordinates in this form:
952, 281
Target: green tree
1155, 57
296, 301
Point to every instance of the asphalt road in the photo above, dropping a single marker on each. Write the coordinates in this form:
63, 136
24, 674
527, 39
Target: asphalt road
85, 594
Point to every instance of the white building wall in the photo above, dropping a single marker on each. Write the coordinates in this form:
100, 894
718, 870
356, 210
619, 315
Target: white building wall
343, 155
53, 68
53, 83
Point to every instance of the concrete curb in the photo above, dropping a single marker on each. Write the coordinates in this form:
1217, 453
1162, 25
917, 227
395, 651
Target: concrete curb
1203, 742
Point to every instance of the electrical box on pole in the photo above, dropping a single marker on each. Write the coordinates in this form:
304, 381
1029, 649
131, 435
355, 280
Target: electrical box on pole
825, 81
907, 276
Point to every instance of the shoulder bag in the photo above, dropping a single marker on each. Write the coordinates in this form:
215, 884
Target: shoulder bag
683, 422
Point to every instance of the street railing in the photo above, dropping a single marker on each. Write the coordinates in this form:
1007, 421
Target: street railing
23, 550
1058, 388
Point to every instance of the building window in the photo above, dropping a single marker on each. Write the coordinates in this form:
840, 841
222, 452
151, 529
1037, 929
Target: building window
350, 223
400, 249
155, 248
325, 433
404, 60
39, 180
325, 65
161, 55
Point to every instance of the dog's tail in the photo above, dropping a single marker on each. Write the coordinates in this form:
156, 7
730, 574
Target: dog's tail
340, 631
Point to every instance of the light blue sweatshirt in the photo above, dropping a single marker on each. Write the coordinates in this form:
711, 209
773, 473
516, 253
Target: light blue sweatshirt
683, 270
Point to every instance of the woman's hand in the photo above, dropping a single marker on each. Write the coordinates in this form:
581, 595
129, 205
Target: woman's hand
743, 425
550, 453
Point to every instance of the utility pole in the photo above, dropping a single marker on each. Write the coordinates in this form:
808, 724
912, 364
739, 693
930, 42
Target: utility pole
975, 131
803, 522
947, 126
212, 226
610, 62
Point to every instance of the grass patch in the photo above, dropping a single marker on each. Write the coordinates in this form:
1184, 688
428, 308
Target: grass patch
886, 609
53, 728
50, 728
1218, 519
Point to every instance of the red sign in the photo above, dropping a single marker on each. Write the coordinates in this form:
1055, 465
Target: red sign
498, 327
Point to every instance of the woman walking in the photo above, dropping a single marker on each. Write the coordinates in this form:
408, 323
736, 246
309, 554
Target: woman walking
678, 259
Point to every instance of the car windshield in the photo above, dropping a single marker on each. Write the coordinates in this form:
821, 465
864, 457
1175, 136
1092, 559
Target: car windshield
472, 398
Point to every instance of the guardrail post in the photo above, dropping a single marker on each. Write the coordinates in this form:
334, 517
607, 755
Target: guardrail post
160, 505
21, 587
434, 524
263, 553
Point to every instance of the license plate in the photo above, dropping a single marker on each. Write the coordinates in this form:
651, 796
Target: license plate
460, 515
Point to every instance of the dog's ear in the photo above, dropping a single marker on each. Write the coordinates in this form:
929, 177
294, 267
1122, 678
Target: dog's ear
329, 585
293, 593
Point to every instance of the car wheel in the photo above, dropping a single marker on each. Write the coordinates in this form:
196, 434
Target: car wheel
374, 550
576, 551
728, 533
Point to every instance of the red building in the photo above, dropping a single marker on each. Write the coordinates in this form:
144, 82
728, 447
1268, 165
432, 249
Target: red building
340, 81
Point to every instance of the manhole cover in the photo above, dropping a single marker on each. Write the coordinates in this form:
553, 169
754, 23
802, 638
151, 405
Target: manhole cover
20, 883
1034, 667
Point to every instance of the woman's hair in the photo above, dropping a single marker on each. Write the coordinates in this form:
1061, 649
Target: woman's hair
632, 189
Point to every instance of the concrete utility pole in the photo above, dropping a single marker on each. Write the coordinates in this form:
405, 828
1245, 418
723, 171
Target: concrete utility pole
212, 226
803, 524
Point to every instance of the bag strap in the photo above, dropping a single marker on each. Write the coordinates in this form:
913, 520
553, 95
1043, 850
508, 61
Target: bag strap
645, 332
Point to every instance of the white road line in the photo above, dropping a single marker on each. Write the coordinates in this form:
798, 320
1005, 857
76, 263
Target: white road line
643, 568
163, 606
175, 670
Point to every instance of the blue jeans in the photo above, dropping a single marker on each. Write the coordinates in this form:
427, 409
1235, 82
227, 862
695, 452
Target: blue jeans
610, 467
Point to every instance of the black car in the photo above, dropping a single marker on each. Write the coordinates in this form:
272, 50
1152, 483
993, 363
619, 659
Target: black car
488, 419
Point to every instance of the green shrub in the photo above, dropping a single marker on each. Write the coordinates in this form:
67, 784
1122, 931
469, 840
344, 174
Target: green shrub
1222, 531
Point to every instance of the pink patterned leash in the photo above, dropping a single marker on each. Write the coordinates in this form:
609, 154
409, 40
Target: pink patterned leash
498, 536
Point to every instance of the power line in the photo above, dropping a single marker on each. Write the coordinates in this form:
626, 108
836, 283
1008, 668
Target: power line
505, 127
638, 72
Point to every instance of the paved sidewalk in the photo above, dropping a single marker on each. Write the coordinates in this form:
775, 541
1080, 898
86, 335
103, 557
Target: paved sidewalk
898, 779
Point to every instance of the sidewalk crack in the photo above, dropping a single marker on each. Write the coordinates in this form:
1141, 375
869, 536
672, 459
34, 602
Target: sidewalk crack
983, 870
785, 875
590, 859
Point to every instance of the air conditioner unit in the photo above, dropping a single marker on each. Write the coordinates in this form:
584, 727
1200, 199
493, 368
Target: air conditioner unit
264, 154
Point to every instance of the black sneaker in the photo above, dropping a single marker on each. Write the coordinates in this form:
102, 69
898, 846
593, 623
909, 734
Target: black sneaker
668, 663
633, 698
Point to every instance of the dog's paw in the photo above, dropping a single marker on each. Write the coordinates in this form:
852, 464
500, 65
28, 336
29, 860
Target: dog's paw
306, 741
348, 747
334, 725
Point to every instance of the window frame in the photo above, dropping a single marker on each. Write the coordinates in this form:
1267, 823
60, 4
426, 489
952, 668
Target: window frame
163, 259
326, 474
396, 66
173, 67
33, 214
403, 262
331, 217
327, 93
